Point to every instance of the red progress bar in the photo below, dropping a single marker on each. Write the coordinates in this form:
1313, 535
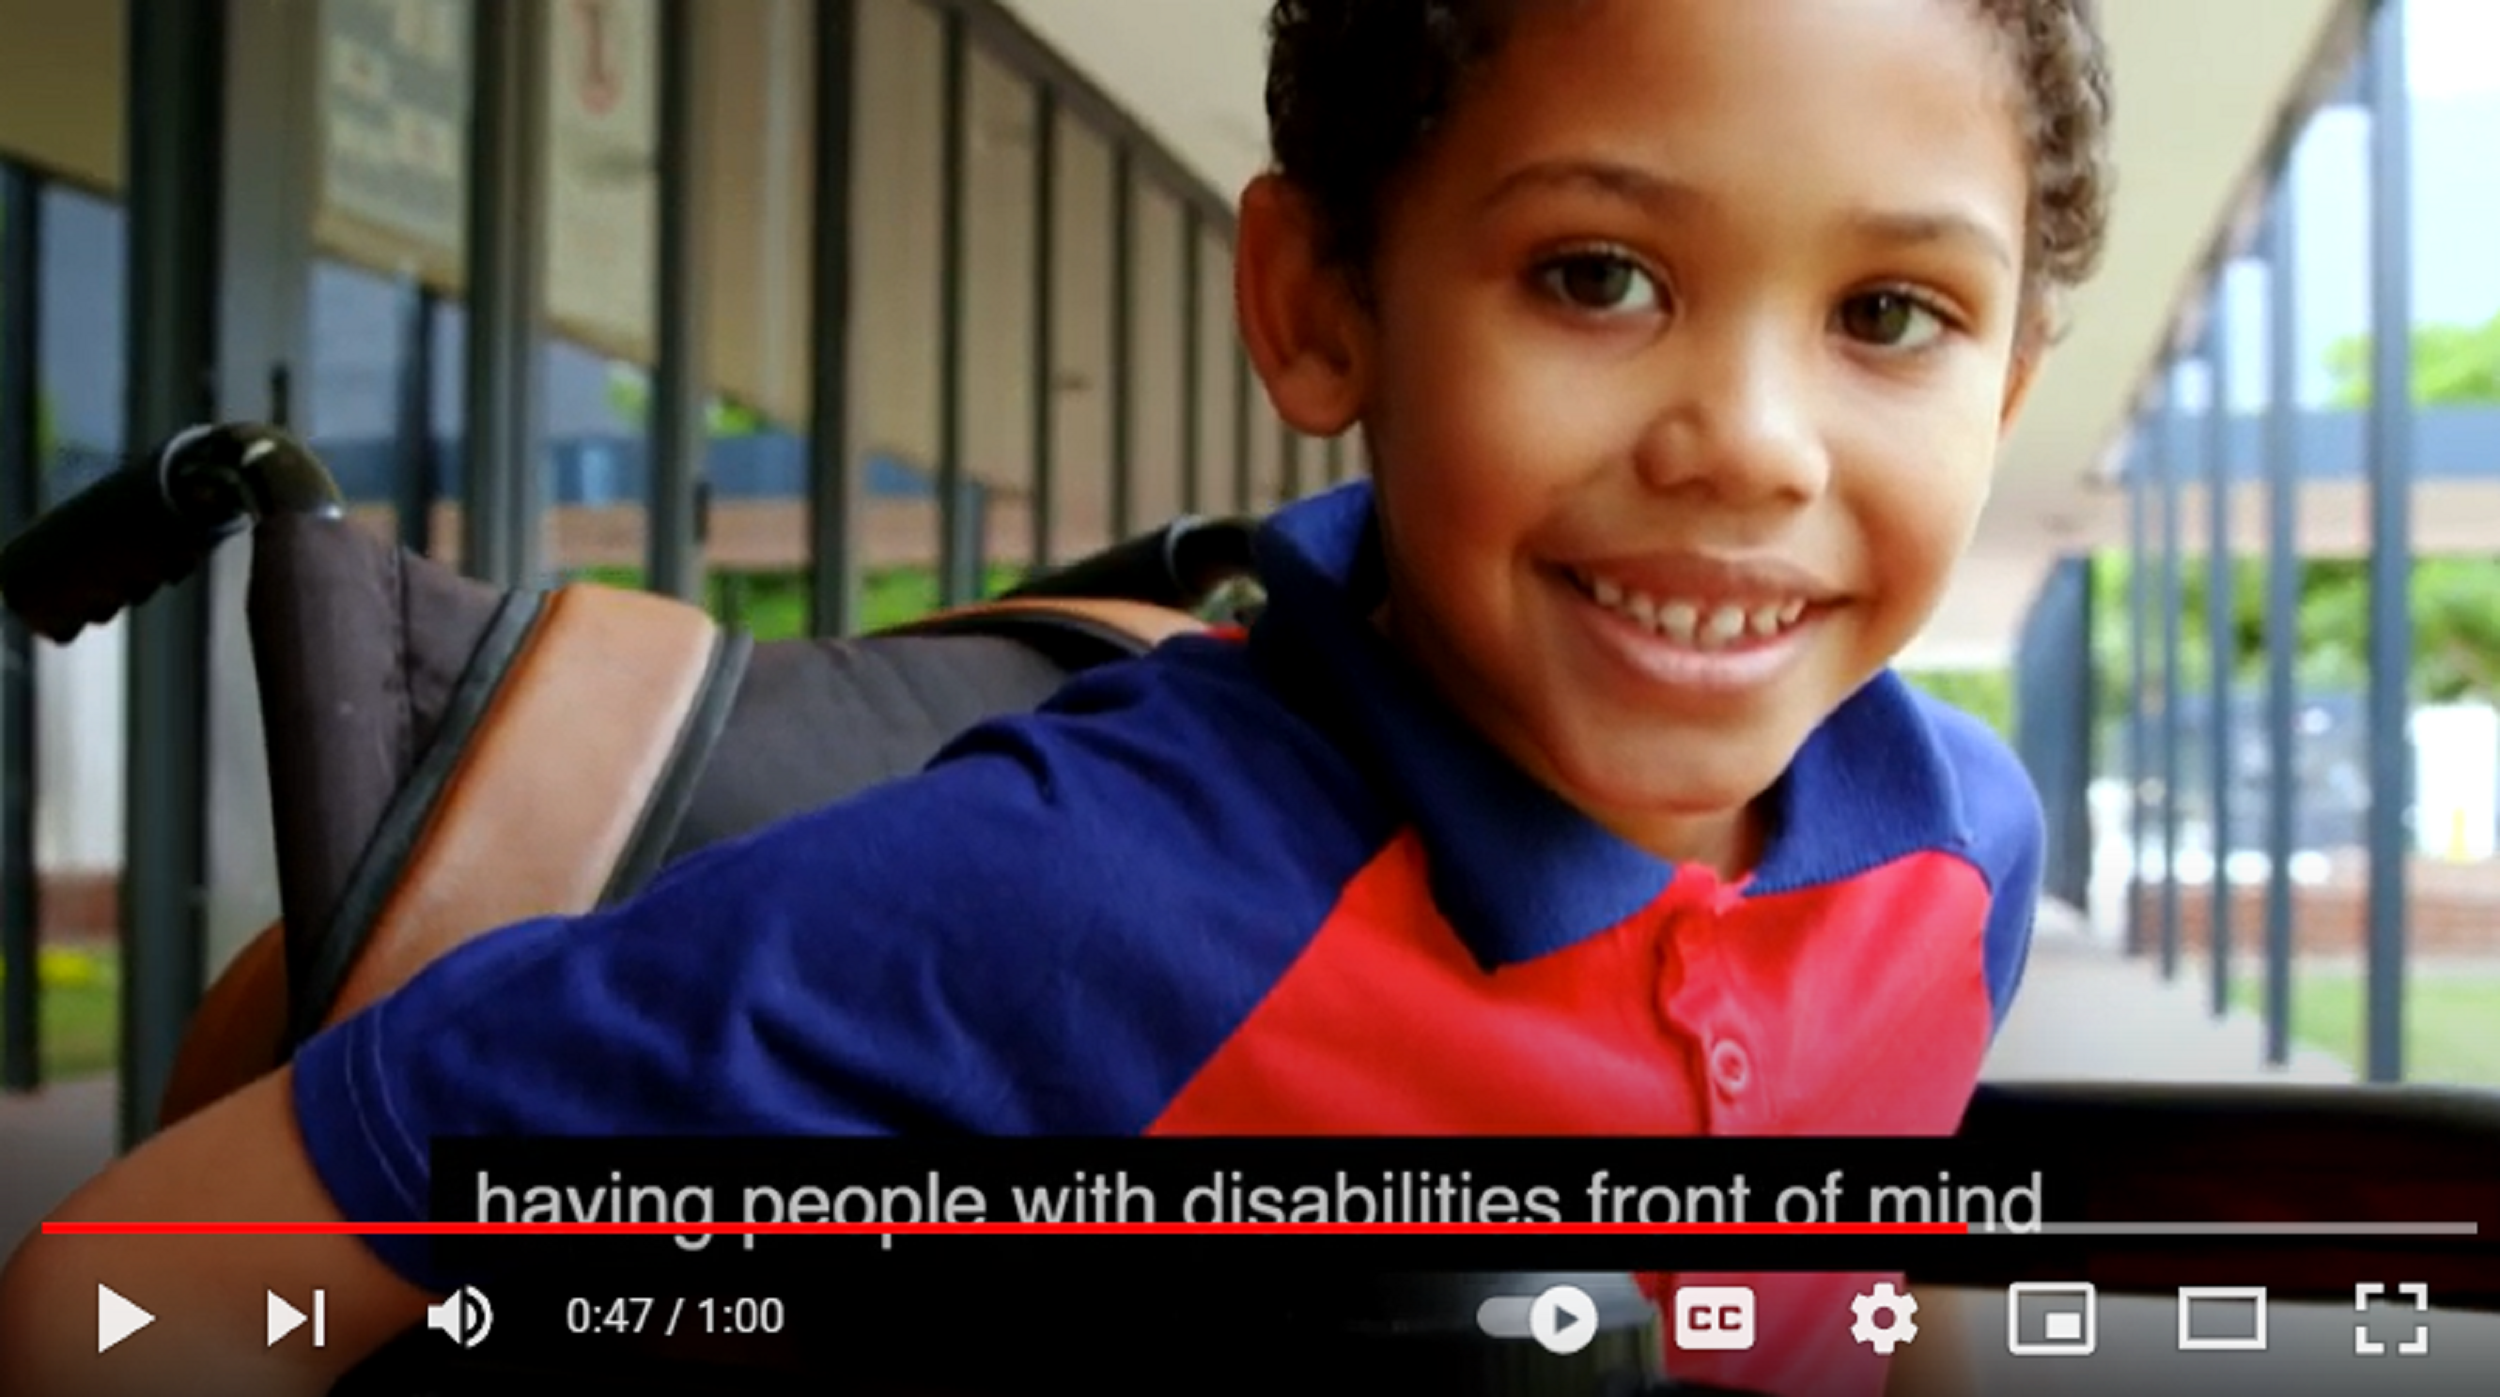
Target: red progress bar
1007, 1229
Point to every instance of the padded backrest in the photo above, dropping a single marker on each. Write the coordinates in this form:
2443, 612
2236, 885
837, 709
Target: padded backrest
447, 758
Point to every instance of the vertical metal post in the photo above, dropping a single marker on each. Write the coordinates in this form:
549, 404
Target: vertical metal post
2283, 567
2139, 696
1288, 462
1045, 324
832, 479
1245, 457
174, 117
1123, 342
21, 465
2391, 535
2221, 634
1334, 454
680, 430
417, 481
958, 570
1193, 356
2173, 605
502, 476
2083, 734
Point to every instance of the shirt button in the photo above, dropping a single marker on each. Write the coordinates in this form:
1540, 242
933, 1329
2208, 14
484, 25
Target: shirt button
1730, 1066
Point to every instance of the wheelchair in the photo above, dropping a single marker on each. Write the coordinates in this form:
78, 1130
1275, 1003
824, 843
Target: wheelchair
412, 716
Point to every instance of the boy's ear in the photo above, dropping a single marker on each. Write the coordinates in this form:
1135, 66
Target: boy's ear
2020, 376
1304, 327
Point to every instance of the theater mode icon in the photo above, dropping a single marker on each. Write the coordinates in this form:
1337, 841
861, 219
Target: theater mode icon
1714, 1318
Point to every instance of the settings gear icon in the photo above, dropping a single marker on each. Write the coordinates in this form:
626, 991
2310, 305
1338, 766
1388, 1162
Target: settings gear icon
1898, 1326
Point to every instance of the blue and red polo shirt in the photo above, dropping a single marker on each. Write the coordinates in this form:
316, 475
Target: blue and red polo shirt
1262, 888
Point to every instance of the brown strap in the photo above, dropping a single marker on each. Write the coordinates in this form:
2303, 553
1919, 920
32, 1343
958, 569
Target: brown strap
547, 797
1143, 622
234, 1035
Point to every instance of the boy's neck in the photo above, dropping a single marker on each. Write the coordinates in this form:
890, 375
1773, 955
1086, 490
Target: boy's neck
1728, 842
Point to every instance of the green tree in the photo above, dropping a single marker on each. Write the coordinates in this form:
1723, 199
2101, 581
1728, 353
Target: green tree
629, 397
2453, 366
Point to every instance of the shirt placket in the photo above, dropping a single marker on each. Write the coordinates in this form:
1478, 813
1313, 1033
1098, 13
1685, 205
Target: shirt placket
1698, 1003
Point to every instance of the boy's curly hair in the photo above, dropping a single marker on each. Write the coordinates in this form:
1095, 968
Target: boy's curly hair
1356, 87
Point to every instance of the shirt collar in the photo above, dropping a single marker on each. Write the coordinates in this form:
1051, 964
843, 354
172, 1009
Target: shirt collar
1516, 870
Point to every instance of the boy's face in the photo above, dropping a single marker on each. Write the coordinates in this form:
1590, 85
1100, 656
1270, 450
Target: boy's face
1689, 346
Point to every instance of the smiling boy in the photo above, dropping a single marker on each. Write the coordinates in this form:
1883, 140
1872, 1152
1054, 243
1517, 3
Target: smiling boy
1561, 789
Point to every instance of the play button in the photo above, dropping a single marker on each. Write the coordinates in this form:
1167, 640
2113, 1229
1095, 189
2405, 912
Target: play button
116, 1319
1563, 1319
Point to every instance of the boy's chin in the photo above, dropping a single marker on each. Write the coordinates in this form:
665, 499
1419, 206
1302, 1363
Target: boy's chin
1663, 782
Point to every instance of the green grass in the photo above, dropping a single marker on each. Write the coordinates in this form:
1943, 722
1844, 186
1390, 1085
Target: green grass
2452, 1021
773, 605
79, 1012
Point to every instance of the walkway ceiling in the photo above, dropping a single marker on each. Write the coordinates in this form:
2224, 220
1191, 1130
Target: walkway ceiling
2206, 90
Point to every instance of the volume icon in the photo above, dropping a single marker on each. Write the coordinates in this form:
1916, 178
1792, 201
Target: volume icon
465, 1316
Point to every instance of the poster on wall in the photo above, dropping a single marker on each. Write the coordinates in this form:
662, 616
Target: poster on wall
603, 148
395, 116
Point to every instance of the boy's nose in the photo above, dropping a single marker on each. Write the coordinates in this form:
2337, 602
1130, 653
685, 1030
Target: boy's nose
1734, 420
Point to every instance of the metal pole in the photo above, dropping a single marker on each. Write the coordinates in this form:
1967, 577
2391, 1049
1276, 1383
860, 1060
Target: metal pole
2391, 540
2173, 605
21, 465
1045, 324
1288, 462
1193, 357
832, 478
2283, 565
1245, 463
958, 570
507, 255
679, 431
2221, 634
174, 117
1123, 343
419, 474
2139, 694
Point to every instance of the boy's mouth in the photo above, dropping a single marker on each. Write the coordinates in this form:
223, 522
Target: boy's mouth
1700, 622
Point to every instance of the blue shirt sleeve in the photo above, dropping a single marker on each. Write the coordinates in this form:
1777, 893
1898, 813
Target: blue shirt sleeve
1046, 932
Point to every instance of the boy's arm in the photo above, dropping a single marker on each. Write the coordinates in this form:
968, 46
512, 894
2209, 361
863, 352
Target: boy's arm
241, 1160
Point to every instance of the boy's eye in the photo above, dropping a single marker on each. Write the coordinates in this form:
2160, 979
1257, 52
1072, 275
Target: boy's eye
1890, 320
1600, 281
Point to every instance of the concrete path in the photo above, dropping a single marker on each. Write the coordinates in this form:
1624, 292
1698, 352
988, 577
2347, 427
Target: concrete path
50, 1142
2088, 1012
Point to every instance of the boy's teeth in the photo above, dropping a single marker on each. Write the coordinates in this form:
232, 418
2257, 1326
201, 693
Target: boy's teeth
1692, 623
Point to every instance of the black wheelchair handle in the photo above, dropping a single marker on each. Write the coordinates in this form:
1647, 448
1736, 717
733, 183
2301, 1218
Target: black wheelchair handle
153, 523
1182, 565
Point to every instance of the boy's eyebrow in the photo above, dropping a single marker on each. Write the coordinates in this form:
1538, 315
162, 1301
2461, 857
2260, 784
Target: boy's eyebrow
1920, 227
1660, 195
1629, 183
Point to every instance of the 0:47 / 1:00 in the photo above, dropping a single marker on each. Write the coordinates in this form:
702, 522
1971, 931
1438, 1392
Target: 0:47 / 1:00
645, 1315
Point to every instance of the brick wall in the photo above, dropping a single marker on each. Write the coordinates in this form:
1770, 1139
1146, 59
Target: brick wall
2454, 909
